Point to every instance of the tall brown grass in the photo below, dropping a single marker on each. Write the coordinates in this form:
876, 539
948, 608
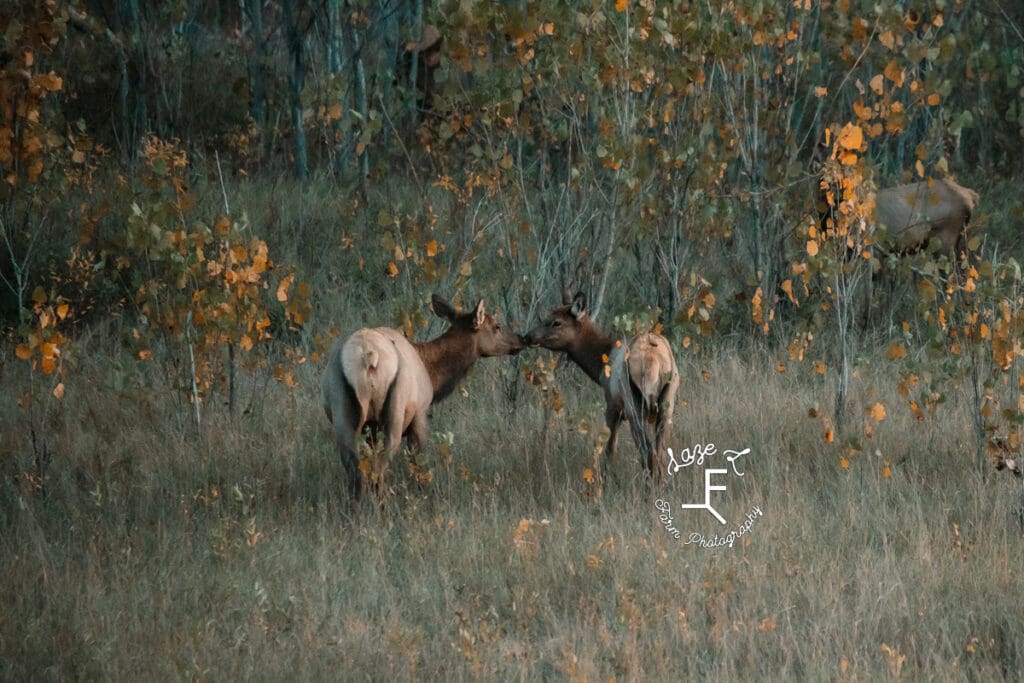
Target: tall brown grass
140, 551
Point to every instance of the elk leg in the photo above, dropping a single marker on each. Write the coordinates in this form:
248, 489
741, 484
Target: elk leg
613, 418
345, 440
643, 442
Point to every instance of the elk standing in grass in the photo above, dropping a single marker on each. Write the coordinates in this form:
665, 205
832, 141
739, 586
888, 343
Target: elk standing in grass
376, 379
640, 379
918, 213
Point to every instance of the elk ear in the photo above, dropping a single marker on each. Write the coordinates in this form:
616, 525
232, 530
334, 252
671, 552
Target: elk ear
442, 308
579, 305
479, 315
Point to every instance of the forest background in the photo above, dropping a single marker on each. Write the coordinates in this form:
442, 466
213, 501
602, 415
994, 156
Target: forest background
198, 197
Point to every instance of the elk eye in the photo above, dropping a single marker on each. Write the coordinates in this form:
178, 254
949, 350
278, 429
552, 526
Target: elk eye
557, 323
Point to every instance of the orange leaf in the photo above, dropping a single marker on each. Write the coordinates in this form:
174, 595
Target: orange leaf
391, 270
812, 248
588, 475
432, 248
787, 286
58, 391
851, 137
843, 462
878, 84
245, 343
894, 74
877, 412
24, 351
886, 472
282, 288
895, 352
620, 5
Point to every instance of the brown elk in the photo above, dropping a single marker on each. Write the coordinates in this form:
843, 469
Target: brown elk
918, 213
376, 379
640, 379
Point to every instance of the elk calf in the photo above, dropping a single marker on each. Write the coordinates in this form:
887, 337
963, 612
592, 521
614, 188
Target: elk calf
640, 379
376, 379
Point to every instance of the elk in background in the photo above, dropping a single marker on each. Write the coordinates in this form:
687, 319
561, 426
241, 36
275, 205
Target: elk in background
640, 379
918, 213
376, 379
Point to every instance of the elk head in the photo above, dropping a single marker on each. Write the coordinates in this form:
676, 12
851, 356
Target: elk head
491, 338
562, 327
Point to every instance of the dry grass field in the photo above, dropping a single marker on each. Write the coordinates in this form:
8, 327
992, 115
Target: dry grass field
130, 551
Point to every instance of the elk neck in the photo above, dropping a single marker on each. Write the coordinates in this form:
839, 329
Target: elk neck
447, 359
589, 349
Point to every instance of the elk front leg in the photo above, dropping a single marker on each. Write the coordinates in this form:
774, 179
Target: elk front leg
613, 418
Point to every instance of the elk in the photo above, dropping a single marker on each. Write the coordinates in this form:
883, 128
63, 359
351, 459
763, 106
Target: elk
918, 213
640, 379
378, 380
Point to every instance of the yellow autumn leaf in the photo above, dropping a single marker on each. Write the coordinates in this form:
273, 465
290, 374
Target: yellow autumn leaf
877, 84
843, 462
877, 412
245, 343
787, 287
432, 248
820, 91
588, 475
886, 472
851, 137
23, 351
919, 167
391, 270
812, 248
282, 288
895, 74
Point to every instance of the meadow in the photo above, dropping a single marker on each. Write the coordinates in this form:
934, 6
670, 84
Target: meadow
134, 551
